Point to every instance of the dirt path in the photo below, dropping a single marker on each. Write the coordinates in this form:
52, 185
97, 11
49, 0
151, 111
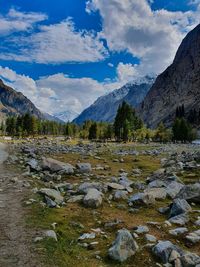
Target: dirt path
15, 239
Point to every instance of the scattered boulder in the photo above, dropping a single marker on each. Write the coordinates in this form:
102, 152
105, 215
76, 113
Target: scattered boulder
93, 198
52, 194
74, 199
156, 193
173, 189
57, 166
178, 231
142, 199
194, 237
179, 206
180, 219
163, 250
191, 193
120, 194
83, 167
34, 165
63, 187
84, 187
123, 247
115, 186
190, 260
50, 203
141, 229
150, 238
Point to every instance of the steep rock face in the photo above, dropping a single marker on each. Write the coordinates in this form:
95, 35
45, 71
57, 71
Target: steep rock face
105, 107
15, 103
178, 84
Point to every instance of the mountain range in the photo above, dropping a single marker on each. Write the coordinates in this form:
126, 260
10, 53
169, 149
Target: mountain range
105, 107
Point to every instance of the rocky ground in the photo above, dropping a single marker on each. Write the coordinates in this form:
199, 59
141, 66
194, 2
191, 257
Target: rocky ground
88, 204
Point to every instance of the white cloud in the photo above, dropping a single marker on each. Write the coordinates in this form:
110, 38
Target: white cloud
127, 72
56, 43
16, 21
60, 93
152, 36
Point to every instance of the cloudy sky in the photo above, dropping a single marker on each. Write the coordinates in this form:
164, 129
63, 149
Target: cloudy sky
64, 54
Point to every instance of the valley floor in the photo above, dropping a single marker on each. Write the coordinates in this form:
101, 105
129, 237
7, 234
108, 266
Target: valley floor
48, 226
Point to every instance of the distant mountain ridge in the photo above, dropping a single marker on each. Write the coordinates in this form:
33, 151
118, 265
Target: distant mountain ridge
178, 85
66, 116
105, 107
15, 103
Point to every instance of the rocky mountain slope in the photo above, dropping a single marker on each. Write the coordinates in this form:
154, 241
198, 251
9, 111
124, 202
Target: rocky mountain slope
105, 107
15, 103
178, 84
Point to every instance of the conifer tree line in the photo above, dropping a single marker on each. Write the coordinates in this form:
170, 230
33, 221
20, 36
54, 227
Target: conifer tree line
182, 127
127, 126
28, 125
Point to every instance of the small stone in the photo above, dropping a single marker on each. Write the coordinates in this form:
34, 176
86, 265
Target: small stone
87, 236
51, 234
142, 229
178, 231
150, 238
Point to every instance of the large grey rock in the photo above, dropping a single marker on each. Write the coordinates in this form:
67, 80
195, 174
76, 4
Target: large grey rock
52, 194
163, 250
120, 194
57, 166
84, 187
34, 165
76, 198
115, 186
194, 237
156, 193
190, 192
157, 183
179, 206
190, 260
83, 167
178, 231
173, 189
180, 219
50, 203
63, 187
93, 198
123, 247
142, 199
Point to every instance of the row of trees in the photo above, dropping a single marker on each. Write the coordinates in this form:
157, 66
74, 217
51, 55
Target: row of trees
127, 127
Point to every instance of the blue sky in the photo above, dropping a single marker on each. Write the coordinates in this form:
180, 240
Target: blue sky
64, 54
